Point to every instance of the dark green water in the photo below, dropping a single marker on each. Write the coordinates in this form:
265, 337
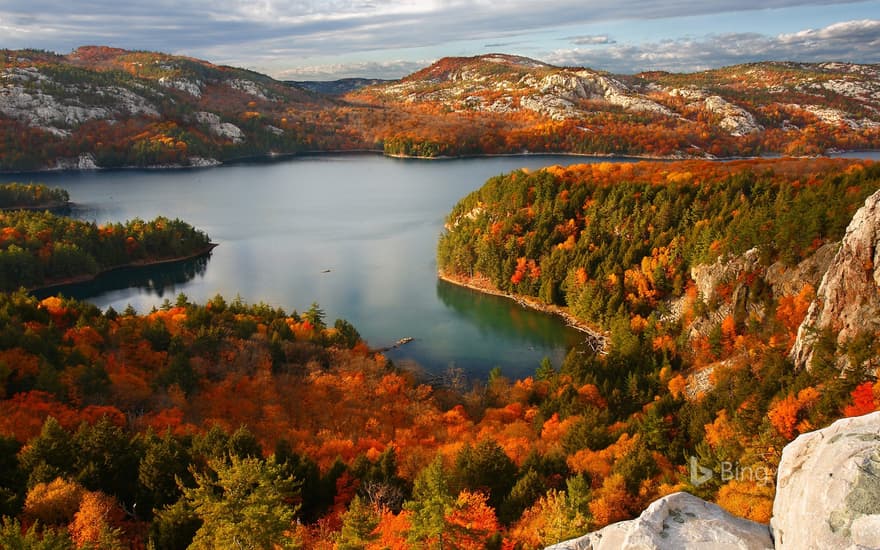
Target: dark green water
373, 222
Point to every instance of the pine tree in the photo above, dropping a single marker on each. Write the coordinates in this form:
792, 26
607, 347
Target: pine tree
430, 503
247, 505
358, 525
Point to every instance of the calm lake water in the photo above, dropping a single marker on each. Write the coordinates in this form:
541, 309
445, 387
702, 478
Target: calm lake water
373, 222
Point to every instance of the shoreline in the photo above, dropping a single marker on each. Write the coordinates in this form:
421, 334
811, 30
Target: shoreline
270, 157
78, 279
52, 206
597, 339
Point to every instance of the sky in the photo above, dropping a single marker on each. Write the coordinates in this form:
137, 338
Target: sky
325, 40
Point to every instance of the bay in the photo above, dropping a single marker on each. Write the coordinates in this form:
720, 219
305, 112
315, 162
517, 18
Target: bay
355, 233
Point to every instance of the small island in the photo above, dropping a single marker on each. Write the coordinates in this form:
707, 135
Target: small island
32, 196
42, 249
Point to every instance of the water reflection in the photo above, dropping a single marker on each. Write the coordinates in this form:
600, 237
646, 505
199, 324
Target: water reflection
158, 280
495, 314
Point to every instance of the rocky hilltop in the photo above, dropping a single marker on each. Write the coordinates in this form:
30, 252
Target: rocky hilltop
848, 300
503, 84
827, 496
102, 107
743, 106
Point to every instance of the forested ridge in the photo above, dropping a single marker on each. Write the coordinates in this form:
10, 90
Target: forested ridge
207, 425
42, 248
30, 195
619, 239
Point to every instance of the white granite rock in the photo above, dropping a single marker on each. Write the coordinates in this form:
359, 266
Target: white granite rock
679, 521
828, 488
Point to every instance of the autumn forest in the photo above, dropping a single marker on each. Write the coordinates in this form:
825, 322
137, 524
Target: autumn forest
221, 423
194, 425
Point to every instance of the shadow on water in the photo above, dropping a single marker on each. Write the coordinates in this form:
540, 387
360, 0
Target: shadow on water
495, 314
158, 280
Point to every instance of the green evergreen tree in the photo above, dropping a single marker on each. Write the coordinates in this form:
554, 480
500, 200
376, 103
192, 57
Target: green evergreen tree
358, 524
174, 527
49, 455
429, 505
486, 468
244, 503
34, 537
165, 462
106, 460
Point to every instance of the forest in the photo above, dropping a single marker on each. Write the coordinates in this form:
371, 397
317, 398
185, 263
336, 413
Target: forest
41, 248
619, 239
20, 195
203, 425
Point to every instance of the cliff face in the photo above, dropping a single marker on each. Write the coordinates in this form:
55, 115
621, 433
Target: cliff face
848, 299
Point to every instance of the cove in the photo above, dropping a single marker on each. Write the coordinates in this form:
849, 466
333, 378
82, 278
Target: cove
355, 233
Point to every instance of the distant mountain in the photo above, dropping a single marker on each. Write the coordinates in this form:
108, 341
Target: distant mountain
744, 109
105, 107
337, 87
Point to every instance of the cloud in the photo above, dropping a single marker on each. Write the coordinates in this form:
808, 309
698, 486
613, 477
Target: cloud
369, 69
273, 35
325, 27
591, 40
856, 41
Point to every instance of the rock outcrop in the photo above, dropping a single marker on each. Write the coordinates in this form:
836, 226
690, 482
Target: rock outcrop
734, 119
85, 161
827, 496
828, 488
219, 128
848, 299
783, 280
31, 97
678, 521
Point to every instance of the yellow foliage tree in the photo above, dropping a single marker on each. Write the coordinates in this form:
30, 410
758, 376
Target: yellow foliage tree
53, 503
96, 523
750, 499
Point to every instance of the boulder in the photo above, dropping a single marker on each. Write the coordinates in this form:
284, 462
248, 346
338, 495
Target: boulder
679, 521
828, 488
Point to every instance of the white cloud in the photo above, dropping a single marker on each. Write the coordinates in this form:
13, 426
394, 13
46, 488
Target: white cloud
855, 41
315, 27
277, 34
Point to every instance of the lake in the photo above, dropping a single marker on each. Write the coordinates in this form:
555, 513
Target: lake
355, 233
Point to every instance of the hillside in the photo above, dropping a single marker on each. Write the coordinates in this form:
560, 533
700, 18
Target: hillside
525, 104
681, 247
106, 107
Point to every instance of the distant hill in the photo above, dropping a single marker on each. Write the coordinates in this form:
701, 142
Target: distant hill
103, 106
337, 87
793, 108
106, 107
